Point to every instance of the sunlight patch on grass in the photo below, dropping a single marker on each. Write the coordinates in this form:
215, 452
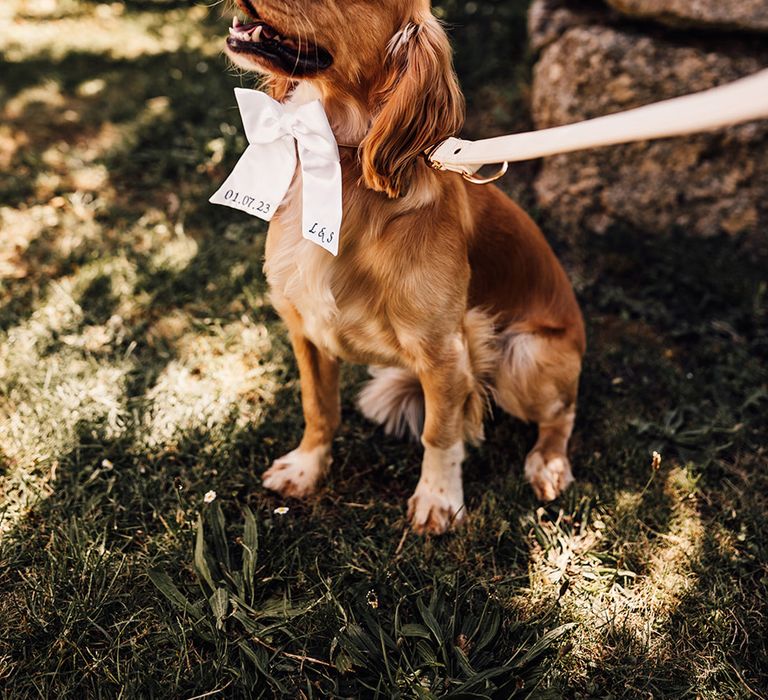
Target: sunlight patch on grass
670, 577
569, 563
110, 31
55, 384
74, 163
178, 252
10, 143
39, 424
218, 377
578, 563
47, 93
20, 228
65, 224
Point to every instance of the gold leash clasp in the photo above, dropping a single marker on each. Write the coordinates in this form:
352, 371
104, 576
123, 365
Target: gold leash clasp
465, 173
487, 180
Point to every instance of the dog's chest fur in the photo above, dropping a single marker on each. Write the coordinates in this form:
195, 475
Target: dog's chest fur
304, 276
341, 310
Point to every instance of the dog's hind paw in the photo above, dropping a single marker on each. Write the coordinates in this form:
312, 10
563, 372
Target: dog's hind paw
549, 475
298, 474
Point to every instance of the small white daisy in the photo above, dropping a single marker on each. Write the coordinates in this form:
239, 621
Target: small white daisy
209, 497
282, 510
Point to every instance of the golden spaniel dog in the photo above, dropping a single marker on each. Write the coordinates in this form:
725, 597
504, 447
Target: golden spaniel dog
448, 289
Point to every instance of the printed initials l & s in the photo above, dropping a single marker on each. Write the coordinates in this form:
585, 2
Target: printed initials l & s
321, 233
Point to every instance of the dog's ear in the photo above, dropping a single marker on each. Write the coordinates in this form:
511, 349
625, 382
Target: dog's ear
419, 104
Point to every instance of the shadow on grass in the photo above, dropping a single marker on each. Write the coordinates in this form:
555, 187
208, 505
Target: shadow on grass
76, 586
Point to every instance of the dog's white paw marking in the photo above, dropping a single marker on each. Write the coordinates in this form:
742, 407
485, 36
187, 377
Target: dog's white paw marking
437, 505
549, 476
298, 474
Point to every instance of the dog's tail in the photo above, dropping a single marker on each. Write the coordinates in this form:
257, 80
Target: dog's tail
394, 399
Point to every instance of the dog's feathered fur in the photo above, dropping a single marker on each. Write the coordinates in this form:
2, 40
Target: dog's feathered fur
449, 286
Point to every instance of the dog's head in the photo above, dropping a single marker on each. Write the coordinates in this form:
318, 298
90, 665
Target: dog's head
388, 60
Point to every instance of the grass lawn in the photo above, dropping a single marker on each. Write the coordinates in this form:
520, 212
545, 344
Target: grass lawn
141, 366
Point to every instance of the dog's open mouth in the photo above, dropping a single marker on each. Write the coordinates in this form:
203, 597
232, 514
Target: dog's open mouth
297, 57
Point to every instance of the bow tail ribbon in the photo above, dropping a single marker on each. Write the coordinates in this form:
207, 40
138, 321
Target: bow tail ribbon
321, 211
261, 179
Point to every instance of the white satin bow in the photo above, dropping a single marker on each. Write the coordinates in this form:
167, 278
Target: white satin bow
262, 176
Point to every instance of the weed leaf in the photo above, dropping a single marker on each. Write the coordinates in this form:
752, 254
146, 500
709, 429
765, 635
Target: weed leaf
250, 552
165, 585
219, 603
201, 557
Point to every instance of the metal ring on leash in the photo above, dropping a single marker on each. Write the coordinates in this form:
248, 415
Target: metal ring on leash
487, 180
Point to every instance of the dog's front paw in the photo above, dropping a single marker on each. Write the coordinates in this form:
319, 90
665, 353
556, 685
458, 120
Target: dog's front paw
298, 474
549, 475
435, 511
